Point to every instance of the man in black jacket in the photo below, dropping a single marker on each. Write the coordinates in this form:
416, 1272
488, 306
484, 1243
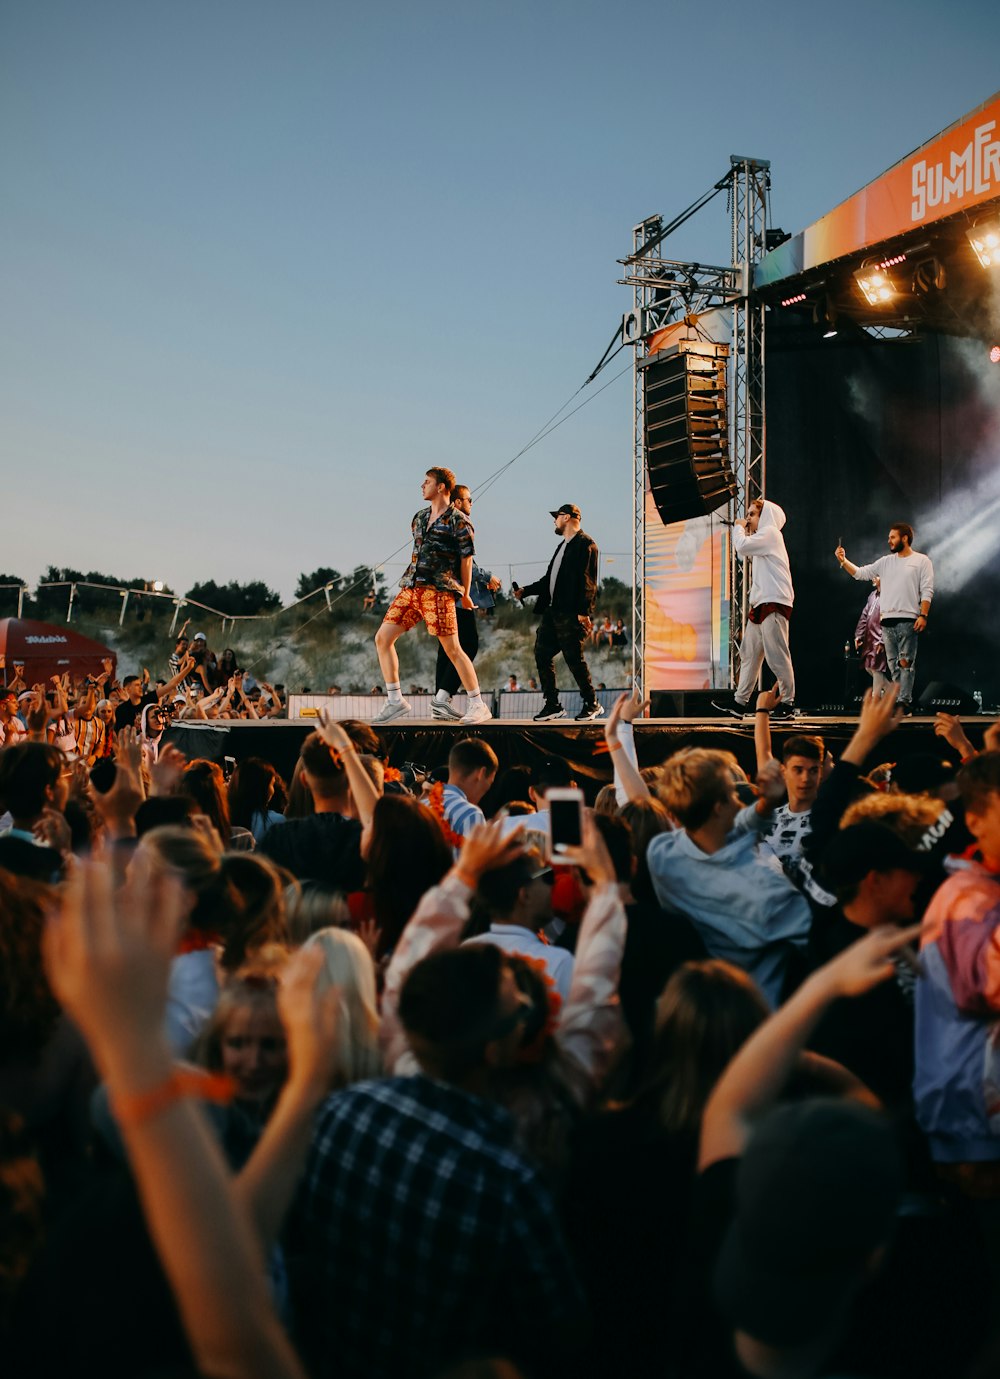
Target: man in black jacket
566, 595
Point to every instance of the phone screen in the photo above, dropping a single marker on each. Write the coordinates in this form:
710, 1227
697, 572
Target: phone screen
566, 817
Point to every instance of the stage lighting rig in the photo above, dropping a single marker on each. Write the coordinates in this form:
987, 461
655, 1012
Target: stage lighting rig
875, 284
995, 354
985, 240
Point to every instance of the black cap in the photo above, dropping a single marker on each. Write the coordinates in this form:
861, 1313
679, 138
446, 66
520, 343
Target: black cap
570, 509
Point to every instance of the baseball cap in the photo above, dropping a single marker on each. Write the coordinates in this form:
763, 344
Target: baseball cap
816, 1193
570, 509
199, 637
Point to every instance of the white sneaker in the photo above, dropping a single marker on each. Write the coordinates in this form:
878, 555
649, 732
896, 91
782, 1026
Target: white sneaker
390, 711
443, 708
478, 713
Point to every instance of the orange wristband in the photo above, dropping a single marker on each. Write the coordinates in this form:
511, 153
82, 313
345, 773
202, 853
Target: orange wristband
466, 879
135, 1107
614, 746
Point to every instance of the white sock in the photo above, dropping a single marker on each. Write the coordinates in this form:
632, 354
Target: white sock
475, 698
395, 693
442, 697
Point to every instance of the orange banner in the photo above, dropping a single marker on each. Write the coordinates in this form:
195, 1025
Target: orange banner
955, 171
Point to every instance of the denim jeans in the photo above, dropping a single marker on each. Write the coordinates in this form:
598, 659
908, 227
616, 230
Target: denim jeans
900, 642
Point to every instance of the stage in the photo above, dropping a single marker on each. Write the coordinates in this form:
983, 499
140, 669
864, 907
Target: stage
425, 742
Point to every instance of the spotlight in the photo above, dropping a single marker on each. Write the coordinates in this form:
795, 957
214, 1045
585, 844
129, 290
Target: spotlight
875, 284
985, 241
995, 355
157, 586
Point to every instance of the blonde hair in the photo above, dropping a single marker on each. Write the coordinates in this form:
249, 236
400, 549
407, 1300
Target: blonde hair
693, 782
908, 815
347, 964
607, 801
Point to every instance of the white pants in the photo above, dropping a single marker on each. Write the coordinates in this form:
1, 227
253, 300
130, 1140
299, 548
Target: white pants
766, 641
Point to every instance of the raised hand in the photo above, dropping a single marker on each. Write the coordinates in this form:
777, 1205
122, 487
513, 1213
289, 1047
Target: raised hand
166, 771
869, 961
332, 732
949, 726
770, 783
486, 848
769, 699
626, 709
591, 856
52, 830
880, 716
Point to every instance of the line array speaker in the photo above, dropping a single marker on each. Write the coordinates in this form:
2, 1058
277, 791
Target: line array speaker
686, 430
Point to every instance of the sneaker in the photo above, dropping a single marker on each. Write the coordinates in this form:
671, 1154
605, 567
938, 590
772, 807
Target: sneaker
442, 708
390, 711
733, 707
785, 711
478, 713
549, 712
905, 708
589, 711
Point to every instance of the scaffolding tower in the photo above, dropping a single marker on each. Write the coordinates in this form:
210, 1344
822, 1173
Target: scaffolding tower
665, 292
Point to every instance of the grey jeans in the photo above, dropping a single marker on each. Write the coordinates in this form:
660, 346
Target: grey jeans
900, 643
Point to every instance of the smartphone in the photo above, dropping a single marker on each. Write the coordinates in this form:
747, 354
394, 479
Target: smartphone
566, 819
228, 766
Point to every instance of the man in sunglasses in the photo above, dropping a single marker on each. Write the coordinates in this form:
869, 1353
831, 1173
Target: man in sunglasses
519, 900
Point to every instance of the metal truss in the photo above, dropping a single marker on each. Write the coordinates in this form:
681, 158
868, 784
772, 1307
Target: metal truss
749, 205
664, 292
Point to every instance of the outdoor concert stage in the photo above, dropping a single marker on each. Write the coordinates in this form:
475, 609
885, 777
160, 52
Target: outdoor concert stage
517, 742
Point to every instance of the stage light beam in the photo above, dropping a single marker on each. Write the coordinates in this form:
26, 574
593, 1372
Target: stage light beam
985, 241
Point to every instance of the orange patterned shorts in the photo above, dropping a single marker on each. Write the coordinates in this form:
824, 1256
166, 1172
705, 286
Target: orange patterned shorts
424, 604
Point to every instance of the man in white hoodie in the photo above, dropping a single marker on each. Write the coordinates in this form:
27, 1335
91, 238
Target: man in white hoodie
757, 537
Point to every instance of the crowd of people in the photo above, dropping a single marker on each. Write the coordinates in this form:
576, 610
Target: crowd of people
355, 1075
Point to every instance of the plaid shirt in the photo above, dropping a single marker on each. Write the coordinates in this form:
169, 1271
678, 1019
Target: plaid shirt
426, 1235
438, 550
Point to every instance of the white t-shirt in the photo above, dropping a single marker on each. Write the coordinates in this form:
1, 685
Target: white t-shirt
906, 581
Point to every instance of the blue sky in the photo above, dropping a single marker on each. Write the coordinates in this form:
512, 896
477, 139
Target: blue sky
261, 265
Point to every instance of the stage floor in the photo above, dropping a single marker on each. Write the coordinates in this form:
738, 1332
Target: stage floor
425, 742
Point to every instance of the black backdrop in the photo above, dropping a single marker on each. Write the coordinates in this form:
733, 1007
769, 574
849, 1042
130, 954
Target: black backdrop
861, 435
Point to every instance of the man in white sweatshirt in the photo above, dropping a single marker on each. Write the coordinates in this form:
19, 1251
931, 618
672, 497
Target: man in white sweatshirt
757, 537
907, 588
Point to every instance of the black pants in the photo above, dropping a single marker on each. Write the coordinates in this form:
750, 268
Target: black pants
446, 677
560, 632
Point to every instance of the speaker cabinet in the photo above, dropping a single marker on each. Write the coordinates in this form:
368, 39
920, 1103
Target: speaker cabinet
685, 429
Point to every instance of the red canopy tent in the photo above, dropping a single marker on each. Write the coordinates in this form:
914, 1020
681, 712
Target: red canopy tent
48, 649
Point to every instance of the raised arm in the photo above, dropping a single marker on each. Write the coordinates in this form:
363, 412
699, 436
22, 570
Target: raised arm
629, 785
591, 1032
758, 1073
438, 921
311, 1019
363, 789
108, 959
766, 701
